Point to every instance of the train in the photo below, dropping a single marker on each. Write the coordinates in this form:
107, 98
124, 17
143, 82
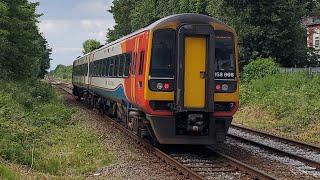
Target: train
175, 81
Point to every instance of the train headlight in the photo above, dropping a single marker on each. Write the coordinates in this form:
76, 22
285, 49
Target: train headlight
225, 87
166, 86
218, 87
159, 86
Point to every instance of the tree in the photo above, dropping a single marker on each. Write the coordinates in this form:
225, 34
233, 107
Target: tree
23, 49
121, 10
44, 64
90, 45
267, 28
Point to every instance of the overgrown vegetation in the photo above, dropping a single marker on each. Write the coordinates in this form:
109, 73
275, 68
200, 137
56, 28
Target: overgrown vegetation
24, 52
286, 104
62, 73
38, 131
259, 68
265, 28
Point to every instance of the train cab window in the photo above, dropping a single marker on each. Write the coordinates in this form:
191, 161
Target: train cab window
111, 66
141, 63
121, 64
224, 51
116, 66
163, 53
127, 65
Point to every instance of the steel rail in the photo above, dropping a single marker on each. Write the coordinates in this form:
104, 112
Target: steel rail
244, 167
160, 154
188, 172
287, 140
307, 161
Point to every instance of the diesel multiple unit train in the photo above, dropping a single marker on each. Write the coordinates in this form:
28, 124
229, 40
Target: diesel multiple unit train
176, 80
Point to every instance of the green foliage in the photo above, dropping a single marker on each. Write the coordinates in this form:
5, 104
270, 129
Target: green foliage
7, 174
121, 10
37, 130
90, 45
24, 52
62, 72
260, 68
132, 15
265, 28
292, 98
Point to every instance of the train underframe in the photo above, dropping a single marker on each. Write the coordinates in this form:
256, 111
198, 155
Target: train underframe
197, 128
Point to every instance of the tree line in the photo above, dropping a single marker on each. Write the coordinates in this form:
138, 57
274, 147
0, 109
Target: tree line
24, 52
265, 28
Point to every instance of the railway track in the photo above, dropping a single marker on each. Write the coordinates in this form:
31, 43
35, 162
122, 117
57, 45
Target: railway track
204, 163
303, 152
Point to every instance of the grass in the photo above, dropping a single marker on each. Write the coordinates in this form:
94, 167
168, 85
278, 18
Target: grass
39, 133
285, 104
8, 173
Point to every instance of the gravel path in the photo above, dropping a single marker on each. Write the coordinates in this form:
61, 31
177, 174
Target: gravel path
130, 161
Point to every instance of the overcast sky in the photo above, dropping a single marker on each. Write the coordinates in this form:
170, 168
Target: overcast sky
66, 24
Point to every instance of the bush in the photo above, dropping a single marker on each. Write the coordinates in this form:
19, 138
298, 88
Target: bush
293, 99
260, 68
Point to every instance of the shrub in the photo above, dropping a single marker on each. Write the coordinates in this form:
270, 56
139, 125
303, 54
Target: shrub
260, 68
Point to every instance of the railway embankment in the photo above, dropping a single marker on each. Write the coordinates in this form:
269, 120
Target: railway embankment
46, 134
42, 137
284, 104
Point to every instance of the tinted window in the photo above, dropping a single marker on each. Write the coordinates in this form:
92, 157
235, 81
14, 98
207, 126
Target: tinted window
141, 62
121, 64
163, 47
111, 66
134, 60
116, 67
107, 66
127, 64
224, 51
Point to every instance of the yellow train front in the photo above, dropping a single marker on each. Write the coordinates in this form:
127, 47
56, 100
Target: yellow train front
183, 83
196, 56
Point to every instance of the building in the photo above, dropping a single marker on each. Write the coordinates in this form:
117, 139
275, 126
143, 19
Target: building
313, 28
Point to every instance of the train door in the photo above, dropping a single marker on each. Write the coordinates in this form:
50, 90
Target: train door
195, 68
194, 74
134, 70
140, 69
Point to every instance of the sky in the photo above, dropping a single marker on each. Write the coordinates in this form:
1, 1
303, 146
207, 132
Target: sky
66, 24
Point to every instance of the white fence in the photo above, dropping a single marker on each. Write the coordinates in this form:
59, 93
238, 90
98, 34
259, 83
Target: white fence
309, 70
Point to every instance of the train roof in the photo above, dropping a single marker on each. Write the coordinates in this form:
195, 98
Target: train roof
176, 18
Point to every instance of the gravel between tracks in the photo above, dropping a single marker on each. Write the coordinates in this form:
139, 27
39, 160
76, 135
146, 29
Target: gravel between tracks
130, 160
265, 161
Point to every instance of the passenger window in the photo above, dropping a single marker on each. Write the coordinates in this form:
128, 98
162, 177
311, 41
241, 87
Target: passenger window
96, 69
116, 66
127, 64
141, 62
121, 65
101, 67
111, 67
107, 67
